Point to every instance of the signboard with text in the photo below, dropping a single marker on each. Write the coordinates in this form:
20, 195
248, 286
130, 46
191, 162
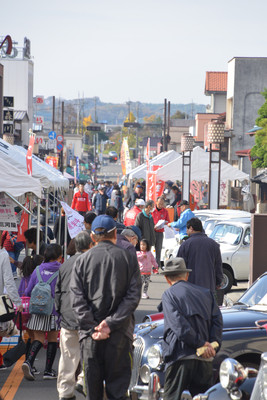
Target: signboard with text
8, 221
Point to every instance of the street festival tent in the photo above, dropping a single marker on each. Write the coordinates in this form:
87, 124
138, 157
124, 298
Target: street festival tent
161, 159
60, 181
16, 182
49, 177
199, 169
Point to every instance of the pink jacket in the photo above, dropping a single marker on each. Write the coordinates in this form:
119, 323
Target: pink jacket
146, 261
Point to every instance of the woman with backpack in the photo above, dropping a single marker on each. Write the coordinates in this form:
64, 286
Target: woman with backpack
43, 315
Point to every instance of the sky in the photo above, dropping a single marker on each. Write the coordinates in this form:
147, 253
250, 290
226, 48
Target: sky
141, 50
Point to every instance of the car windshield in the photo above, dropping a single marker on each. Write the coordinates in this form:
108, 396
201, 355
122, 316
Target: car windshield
227, 233
208, 225
256, 294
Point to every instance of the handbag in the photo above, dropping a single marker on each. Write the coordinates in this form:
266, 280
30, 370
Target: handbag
7, 311
11, 356
8, 328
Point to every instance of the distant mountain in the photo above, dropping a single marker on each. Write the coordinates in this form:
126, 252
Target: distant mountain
112, 114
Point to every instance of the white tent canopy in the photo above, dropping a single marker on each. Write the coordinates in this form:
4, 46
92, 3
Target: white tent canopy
199, 169
16, 182
16, 156
60, 181
160, 159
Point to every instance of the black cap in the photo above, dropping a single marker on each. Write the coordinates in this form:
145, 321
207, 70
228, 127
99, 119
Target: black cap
184, 203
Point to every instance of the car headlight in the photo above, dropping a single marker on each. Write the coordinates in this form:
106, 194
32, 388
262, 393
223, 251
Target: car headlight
154, 356
232, 374
144, 373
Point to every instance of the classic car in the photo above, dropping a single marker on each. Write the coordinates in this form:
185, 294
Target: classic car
236, 382
244, 338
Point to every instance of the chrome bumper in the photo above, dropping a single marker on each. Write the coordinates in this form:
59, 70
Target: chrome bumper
152, 391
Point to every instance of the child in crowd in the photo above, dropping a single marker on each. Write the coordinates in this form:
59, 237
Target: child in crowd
39, 323
146, 262
28, 266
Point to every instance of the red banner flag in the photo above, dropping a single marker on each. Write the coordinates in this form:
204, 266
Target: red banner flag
24, 223
147, 153
29, 155
151, 186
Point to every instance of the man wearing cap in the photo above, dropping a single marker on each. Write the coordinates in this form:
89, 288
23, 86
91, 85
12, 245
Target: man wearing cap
180, 224
192, 319
131, 214
137, 194
100, 201
105, 291
81, 202
159, 214
129, 238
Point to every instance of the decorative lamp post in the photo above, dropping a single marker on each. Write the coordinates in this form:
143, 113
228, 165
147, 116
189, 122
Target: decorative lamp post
215, 137
187, 143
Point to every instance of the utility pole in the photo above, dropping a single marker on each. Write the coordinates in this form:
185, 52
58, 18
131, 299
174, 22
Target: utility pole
169, 123
62, 133
53, 113
164, 126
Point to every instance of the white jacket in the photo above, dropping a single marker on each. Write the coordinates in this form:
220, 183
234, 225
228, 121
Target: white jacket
7, 283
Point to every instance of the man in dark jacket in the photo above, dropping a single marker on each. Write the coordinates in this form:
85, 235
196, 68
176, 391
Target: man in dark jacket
203, 256
105, 291
69, 337
192, 320
100, 201
145, 223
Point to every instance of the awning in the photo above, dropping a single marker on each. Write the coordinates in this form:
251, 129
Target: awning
261, 177
243, 153
199, 169
16, 182
48, 176
161, 159
252, 131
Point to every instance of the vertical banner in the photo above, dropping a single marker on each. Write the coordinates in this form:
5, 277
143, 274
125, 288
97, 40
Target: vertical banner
24, 223
151, 186
123, 162
159, 183
125, 157
147, 153
29, 153
77, 168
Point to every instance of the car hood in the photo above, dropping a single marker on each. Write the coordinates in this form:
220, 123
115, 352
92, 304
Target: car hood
237, 317
234, 318
225, 247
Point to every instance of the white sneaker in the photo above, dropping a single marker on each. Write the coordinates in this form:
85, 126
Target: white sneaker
145, 296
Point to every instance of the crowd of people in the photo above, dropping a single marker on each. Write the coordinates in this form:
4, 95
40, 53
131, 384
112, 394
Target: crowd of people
96, 290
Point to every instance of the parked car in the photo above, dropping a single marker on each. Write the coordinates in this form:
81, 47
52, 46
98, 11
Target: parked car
209, 219
244, 338
113, 156
234, 238
236, 382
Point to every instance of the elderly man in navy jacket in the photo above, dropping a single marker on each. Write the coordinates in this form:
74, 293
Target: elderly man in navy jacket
192, 320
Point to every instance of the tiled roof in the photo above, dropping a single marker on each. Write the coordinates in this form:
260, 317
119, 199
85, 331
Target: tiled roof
216, 82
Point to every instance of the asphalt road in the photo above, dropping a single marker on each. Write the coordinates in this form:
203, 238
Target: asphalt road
14, 386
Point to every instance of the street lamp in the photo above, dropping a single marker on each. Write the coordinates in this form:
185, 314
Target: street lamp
187, 144
215, 137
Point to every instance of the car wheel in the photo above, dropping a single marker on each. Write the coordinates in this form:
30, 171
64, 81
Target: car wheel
228, 280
